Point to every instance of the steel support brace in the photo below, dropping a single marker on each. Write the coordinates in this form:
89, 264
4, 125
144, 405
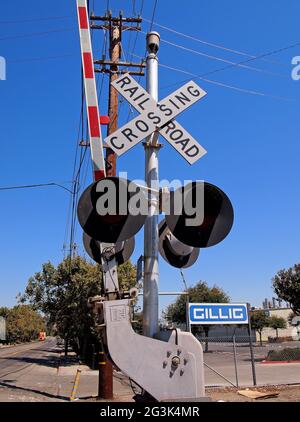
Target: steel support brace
167, 370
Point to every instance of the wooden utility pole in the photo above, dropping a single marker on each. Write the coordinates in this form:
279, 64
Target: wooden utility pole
115, 26
115, 55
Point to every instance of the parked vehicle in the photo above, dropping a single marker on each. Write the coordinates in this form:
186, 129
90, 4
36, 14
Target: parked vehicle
42, 336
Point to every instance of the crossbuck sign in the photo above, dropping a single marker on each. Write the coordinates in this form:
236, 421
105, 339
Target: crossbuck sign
157, 116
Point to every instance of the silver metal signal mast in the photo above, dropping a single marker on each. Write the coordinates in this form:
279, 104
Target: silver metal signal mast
151, 238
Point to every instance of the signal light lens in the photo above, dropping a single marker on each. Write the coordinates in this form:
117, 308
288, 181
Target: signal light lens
123, 250
104, 210
214, 209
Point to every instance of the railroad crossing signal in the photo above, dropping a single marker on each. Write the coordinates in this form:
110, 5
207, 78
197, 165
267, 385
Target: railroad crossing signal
157, 116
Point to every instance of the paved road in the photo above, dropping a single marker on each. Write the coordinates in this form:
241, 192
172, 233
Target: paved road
35, 372
39, 372
28, 372
16, 359
221, 359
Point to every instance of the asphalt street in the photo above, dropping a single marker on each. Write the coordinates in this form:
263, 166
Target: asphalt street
220, 363
16, 359
39, 372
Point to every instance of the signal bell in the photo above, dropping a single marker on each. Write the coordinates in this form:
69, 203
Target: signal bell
123, 250
215, 220
173, 251
115, 224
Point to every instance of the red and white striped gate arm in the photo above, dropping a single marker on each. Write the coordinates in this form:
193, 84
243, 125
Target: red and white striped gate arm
90, 91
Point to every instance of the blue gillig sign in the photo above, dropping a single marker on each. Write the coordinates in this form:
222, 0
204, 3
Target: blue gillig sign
218, 313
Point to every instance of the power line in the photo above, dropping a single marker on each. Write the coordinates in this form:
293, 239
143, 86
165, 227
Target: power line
69, 231
244, 90
233, 64
36, 34
33, 59
279, 50
35, 19
37, 185
153, 14
133, 8
210, 44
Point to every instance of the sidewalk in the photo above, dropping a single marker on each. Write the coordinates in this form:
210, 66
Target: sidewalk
88, 384
53, 379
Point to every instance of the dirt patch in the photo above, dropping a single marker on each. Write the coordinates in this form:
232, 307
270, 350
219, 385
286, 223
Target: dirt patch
287, 393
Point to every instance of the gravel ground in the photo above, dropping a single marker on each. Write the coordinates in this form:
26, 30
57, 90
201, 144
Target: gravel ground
287, 393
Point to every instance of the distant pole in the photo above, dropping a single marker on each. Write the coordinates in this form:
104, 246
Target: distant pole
187, 303
151, 275
251, 346
235, 361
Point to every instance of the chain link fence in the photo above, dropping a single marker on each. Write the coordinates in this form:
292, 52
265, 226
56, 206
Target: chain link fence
286, 354
226, 357
236, 359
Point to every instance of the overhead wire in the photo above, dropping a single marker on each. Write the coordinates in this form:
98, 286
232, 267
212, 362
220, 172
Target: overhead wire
69, 232
210, 44
153, 15
35, 19
36, 34
237, 64
267, 54
131, 54
36, 185
214, 82
244, 90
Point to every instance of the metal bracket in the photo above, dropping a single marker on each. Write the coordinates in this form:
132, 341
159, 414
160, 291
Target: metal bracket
171, 369
109, 268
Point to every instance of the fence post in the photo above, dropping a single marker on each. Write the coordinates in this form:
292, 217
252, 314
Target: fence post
251, 346
235, 361
187, 316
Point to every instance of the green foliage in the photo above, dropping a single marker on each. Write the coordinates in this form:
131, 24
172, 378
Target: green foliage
288, 354
201, 292
176, 312
276, 323
127, 276
286, 284
259, 321
62, 293
4, 311
23, 324
138, 322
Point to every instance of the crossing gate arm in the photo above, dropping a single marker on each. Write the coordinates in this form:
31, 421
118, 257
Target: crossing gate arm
93, 115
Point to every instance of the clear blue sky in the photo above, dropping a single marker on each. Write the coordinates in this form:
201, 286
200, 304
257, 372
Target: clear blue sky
252, 140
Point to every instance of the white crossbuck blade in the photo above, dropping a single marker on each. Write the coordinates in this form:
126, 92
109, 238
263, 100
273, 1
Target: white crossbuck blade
157, 116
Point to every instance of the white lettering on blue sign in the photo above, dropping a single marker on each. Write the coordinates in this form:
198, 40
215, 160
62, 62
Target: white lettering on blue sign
218, 313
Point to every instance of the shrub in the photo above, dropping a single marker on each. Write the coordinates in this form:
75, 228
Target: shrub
287, 354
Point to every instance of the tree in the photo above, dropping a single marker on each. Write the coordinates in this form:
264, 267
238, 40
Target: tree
23, 324
276, 323
4, 311
259, 321
62, 293
201, 292
286, 284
